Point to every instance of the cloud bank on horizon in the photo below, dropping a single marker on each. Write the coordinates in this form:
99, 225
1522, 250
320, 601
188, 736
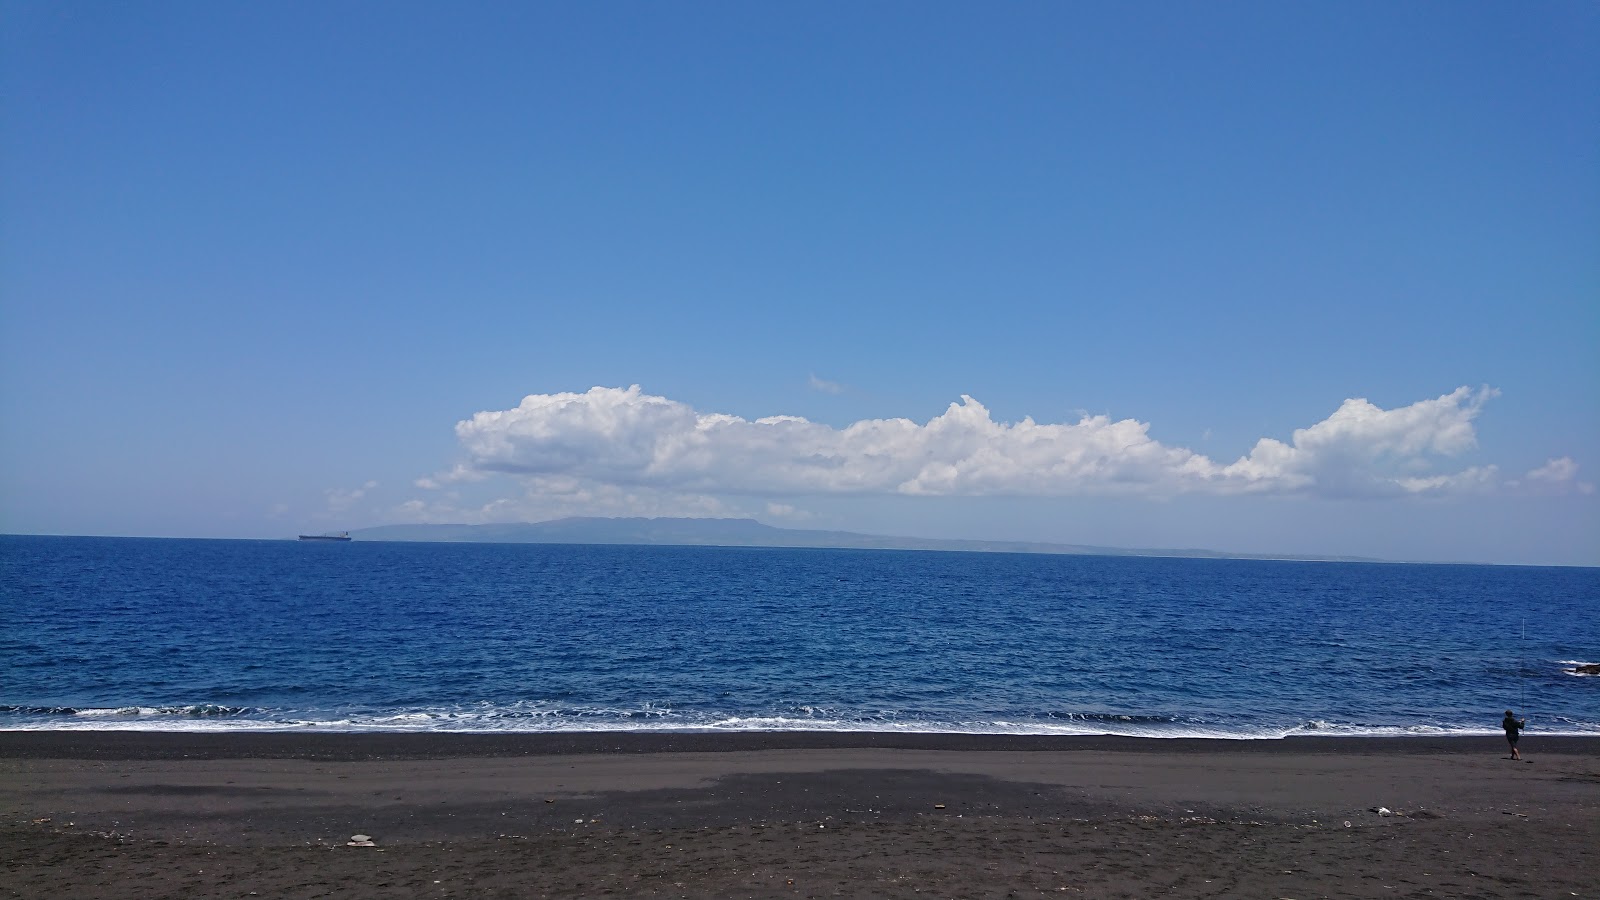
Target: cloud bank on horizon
607, 441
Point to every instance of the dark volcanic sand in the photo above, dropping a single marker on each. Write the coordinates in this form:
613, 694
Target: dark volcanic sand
104, 814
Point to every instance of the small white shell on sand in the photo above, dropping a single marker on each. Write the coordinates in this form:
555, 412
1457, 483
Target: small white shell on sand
360, 837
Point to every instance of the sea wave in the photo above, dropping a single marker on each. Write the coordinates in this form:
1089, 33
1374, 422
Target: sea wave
533, 718
193, 711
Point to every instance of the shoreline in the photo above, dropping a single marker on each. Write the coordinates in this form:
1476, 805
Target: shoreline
109, 744
786, 814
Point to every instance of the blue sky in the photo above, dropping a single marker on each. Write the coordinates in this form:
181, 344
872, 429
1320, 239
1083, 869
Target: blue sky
259, 261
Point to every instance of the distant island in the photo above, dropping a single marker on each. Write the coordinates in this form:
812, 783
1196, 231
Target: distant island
751, 533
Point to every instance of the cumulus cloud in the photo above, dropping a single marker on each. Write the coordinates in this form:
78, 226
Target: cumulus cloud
616, 445
1364, 450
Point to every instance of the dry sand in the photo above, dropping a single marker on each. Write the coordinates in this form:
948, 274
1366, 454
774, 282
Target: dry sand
792, 815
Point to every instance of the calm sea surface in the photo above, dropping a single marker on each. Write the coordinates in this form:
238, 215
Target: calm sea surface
126, 633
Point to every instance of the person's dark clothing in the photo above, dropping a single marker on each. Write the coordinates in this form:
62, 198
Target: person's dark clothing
1513, 728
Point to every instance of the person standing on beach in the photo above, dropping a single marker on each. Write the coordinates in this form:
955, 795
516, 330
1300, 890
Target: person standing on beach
1513, 727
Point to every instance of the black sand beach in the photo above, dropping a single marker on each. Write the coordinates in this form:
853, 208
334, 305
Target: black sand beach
106, 814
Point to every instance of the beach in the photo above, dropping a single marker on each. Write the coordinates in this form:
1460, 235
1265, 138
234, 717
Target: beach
792, 814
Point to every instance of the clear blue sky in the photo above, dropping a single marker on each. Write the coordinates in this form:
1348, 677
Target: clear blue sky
260, 259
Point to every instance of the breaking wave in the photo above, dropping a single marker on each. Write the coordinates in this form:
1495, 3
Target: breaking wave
534, 718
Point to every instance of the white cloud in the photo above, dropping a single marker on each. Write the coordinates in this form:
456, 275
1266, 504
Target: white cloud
613, 446
824, 385
341, 499
461, 472
1558, 475
786, 511
1363, 450
546, 498
1556, 471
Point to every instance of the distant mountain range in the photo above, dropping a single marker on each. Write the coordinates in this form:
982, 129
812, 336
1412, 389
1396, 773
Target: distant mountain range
750, 533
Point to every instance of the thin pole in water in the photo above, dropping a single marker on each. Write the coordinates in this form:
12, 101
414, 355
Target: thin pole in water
1522, 673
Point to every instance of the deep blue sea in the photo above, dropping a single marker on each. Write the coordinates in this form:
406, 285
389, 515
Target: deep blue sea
191, 635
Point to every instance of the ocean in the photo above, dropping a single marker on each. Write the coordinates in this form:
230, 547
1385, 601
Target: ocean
208, 635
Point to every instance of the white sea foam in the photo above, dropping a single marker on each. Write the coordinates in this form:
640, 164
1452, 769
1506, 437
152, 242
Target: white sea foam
532, 718
197, 710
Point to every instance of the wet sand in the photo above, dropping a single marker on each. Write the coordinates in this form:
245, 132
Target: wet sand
105, 814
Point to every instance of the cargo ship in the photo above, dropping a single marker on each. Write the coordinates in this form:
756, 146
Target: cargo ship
341, 536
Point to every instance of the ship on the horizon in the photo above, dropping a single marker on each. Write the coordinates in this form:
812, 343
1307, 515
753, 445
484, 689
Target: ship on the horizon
341, 536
